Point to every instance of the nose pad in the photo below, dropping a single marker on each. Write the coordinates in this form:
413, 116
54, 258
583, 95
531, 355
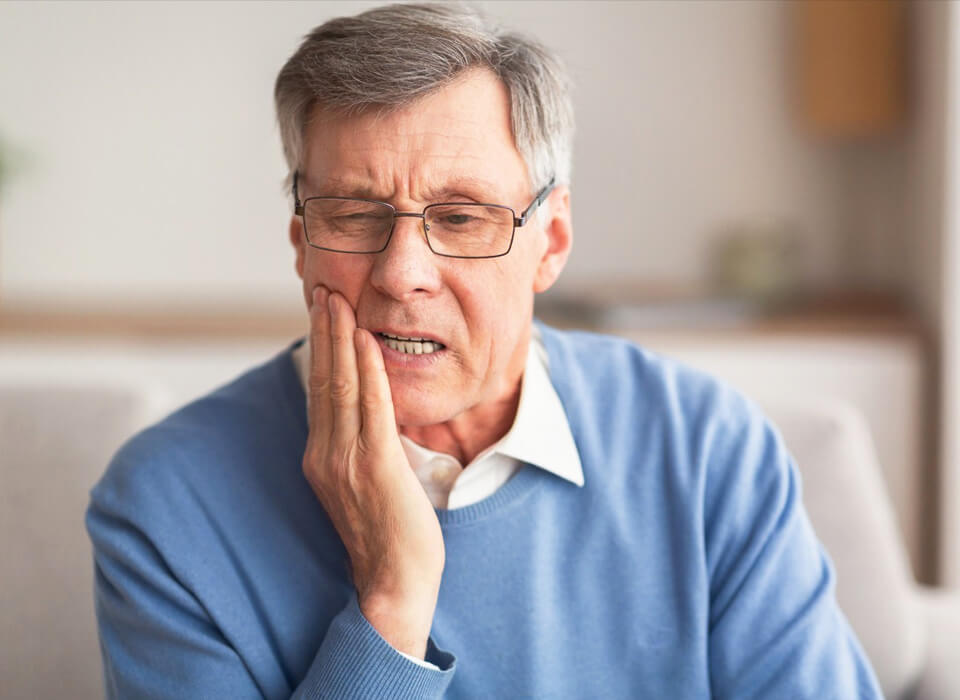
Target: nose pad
408, 264
422, 228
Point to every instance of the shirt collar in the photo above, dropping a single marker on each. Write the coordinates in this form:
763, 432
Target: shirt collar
540, 434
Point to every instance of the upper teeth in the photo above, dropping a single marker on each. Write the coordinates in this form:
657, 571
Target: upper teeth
415, 346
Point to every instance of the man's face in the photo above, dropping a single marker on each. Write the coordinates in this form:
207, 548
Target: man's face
454, 145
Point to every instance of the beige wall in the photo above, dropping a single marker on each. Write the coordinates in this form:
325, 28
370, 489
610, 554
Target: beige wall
154, 168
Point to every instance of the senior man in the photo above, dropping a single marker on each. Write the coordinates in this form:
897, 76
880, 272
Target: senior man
434, 496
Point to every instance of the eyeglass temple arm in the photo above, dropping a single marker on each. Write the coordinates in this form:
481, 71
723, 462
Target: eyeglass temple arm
537, 201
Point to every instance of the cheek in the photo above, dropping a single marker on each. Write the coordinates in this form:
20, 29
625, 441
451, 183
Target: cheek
495, 306
345, 274
486, 297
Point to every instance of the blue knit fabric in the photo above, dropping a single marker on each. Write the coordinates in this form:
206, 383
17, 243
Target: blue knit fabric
685, 567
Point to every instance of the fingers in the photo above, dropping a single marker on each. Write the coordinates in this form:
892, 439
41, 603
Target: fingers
376, 404
318, 391
344, 384
349, 390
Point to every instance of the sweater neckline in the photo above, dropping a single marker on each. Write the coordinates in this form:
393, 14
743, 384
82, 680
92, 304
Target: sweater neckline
519, 486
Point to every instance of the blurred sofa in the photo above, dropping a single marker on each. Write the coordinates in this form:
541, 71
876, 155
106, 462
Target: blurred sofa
54, 443
57, 439
911, 633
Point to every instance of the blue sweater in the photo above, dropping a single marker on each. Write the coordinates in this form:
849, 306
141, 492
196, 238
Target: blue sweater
685, 567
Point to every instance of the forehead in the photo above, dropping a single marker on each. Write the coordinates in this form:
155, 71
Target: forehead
458, 135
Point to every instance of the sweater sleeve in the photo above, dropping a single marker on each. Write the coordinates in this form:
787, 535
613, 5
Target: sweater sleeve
352, 648
157, 639
775, 629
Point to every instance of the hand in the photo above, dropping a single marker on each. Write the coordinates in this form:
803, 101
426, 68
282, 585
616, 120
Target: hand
358, 470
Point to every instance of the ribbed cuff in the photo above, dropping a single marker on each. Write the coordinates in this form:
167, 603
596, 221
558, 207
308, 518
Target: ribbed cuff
354, 661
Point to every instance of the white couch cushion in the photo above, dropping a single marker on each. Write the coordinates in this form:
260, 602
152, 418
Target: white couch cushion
56, 441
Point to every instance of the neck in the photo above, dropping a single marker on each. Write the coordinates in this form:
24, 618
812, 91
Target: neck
471, 432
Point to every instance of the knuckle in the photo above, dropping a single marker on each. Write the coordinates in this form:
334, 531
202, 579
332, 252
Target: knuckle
341, 389
324, 466
366, 446
340, 460
319, 384
312, 473
371, 402
339, 336
313, 458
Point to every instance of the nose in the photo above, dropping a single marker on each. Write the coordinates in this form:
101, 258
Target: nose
407, 267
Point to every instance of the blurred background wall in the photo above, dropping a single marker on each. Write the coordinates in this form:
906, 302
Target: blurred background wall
150, 172
730, 190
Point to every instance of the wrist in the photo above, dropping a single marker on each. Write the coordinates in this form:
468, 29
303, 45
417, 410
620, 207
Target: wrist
403, 621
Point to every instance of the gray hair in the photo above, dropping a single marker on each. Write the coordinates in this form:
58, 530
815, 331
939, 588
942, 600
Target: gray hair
390, 56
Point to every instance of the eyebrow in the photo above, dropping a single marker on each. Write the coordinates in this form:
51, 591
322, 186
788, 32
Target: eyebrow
457, 186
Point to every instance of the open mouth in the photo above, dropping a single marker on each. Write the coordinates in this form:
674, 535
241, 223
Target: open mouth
411, 346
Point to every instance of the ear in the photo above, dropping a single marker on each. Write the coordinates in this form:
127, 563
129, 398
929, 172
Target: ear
299, 243
559, 232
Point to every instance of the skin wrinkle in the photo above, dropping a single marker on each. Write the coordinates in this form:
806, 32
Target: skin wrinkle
320, 118
479, 309
434, 189
471, 189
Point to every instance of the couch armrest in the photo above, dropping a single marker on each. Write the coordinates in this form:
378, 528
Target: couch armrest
940, 610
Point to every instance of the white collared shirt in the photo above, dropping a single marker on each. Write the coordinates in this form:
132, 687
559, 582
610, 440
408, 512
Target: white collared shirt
540, 435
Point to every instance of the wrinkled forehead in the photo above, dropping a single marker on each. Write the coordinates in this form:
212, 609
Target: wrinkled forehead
438, 185
457, 138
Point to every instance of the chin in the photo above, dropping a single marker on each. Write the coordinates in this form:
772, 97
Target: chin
415, 410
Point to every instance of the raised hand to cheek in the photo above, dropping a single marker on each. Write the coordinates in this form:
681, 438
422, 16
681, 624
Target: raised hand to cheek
356, 466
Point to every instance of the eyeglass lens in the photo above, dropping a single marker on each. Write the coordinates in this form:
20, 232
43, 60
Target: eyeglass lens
461, 229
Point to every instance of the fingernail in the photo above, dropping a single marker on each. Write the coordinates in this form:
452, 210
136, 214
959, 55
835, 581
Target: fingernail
318, 294
332, 305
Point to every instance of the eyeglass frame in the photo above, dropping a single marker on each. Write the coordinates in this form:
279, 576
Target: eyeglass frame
518, 221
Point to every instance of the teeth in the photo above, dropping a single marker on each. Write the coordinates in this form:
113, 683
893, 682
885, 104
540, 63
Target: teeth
410, 346
400, 337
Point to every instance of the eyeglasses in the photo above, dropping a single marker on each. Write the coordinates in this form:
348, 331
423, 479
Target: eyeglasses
452, 229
